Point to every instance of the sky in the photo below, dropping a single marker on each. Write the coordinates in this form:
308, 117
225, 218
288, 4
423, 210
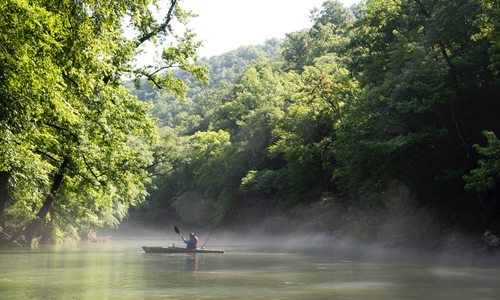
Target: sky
224, 25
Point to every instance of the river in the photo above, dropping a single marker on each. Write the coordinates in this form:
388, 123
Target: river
121, 270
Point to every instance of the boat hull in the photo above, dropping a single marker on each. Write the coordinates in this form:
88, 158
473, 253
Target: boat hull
178, 250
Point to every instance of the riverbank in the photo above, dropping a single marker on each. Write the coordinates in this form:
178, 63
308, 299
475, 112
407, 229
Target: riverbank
396, 224
388, 218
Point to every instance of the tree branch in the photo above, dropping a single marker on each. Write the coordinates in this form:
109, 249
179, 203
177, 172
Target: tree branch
147, 36
46, 154
89, 167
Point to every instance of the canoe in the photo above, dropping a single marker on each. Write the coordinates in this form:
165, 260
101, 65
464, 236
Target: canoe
178, 250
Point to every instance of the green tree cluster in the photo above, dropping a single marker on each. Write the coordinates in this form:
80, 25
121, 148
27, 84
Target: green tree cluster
75, 144
385, 90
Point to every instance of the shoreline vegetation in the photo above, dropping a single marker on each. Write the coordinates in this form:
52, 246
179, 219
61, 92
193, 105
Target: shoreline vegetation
378, 123
331, 223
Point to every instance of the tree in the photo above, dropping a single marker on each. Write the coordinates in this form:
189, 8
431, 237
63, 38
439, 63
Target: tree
428, 92
332, 12
65, 113
306, 133
329, 34
484, 177
188, 177
400, 92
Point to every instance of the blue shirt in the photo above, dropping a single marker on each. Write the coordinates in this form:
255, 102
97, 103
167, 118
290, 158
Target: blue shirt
193, 242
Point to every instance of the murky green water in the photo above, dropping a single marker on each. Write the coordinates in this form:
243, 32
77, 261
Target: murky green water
121, 270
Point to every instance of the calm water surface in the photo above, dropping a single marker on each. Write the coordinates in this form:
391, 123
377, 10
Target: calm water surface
121, 270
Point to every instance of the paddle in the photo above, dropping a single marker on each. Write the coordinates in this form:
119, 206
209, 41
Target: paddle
203, 246
178, 232
209, 235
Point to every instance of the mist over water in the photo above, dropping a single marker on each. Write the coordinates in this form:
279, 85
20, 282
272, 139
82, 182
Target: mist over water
253, 267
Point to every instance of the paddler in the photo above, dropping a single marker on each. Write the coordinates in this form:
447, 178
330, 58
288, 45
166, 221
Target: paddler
192, 243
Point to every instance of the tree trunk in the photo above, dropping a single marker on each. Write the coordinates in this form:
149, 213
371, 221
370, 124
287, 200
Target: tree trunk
4, 193
32, 229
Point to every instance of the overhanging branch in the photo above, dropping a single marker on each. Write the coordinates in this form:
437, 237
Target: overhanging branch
147, 36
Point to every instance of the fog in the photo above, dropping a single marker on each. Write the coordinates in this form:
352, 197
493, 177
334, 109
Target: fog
256, 264
321, 243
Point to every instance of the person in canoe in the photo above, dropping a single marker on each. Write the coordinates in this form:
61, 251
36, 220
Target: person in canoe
192, 243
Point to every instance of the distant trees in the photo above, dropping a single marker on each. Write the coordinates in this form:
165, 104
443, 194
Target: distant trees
399, 89
74, 143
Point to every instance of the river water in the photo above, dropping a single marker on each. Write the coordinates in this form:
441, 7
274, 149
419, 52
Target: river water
121, 270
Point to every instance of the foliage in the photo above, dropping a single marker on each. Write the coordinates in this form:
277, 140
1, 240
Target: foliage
484, 176
74, 142
396, 90
411, 111
262, 182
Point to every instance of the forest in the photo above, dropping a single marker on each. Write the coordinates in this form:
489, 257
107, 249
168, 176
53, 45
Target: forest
386, 105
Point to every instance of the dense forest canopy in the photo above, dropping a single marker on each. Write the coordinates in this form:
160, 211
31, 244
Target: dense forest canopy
387, 92
382, 92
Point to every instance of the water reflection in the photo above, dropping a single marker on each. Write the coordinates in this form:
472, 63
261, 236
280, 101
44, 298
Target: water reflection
124, 271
